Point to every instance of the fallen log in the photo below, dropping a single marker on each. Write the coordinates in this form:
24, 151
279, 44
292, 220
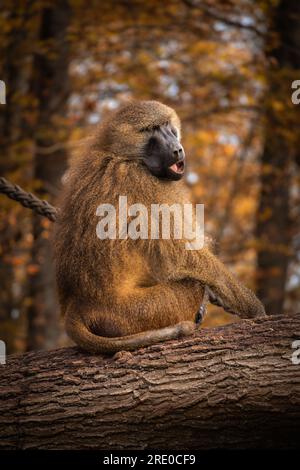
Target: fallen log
234, 386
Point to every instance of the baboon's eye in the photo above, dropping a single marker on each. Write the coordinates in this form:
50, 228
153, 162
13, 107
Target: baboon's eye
149, 129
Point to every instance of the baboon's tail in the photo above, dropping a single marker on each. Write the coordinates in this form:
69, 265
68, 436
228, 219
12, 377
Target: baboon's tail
95, 344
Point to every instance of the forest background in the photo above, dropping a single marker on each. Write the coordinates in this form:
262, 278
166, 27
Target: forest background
227, 67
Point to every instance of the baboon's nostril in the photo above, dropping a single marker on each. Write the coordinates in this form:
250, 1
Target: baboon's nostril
178, 153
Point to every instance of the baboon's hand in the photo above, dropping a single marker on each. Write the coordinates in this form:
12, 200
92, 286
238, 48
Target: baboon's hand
240, 301
257, 309
250, 305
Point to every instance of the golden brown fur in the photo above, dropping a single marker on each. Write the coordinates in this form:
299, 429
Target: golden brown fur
123, 294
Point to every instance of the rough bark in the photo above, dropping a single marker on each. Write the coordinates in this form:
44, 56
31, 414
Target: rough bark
228, 387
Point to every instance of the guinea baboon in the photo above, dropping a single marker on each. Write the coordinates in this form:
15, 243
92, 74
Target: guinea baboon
122, 294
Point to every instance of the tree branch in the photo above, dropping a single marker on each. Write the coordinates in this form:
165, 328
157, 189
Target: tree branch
228, 387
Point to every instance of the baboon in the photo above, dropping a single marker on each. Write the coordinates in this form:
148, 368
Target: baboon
123, 294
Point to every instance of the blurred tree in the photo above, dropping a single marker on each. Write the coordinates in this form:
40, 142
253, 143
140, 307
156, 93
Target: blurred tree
18, 31
281, 144
50, 89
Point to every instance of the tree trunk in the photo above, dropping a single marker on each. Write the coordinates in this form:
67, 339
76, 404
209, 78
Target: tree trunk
229, 387
50, 86
15, 153
274, 230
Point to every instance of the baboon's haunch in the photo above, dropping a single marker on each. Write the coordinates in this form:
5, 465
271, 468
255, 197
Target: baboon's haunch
124, 294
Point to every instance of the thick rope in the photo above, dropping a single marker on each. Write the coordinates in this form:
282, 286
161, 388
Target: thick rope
28, 200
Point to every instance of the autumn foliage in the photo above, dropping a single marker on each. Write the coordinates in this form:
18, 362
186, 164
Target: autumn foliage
226, 67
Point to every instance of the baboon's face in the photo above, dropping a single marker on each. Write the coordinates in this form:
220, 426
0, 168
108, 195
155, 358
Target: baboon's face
163, 153
148, 132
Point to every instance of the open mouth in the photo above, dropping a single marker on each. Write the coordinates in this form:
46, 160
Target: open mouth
178, 167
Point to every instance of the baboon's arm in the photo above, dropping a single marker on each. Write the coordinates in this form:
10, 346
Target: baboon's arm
234, 296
